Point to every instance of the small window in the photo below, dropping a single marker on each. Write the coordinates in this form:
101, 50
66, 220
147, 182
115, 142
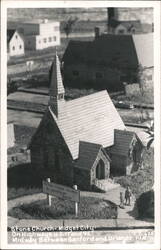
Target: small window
16, 36
99, 75
75, 73
13, 48
50, 39
45, 40
39, 41
54, 38
20, 47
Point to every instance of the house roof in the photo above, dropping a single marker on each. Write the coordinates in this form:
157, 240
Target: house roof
128, 24
91, 118
87, 154
132, 23
109, 50
144, 49
10, 33
122, 141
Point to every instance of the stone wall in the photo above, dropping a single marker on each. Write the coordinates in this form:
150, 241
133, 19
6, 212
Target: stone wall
82, 178
49, 152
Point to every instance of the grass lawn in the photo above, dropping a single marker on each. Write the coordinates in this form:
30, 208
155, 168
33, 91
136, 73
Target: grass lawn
142, 180
89, 208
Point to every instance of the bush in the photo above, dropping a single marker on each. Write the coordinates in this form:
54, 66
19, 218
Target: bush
145, 205
89, 208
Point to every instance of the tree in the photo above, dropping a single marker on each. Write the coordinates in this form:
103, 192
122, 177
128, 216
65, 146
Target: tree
68, 26
141, 79
150, 132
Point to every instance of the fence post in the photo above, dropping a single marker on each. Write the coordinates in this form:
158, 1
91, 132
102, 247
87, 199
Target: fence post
48, 195
76, 203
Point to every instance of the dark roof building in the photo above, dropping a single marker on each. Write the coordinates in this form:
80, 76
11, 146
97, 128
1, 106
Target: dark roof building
107, 61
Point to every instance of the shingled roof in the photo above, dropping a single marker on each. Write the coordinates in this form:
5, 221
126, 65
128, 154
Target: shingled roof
122, 142
91, 118
123, 50
87, 154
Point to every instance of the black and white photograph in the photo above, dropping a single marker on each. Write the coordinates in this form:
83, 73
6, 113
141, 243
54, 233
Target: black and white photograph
80, 165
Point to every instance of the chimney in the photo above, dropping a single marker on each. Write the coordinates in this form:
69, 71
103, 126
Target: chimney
97, 32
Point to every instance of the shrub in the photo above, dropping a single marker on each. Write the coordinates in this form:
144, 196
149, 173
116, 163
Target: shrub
89, 208
145, 205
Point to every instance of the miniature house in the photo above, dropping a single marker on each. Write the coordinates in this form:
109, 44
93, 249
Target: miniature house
77, 141
15, 43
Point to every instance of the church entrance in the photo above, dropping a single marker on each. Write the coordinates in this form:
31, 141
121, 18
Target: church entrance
100, 170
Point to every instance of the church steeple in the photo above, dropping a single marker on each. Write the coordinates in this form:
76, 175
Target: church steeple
56, 90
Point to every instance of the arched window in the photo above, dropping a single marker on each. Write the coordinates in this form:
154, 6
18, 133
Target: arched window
100, 170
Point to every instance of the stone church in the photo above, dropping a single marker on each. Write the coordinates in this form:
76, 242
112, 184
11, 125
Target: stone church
84, 140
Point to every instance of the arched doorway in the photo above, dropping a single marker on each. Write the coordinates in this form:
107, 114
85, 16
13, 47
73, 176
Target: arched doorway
100, 170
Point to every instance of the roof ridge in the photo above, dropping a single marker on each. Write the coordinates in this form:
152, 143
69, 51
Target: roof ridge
85, 96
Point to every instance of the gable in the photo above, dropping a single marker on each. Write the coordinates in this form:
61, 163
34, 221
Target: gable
48, 133
88, 153
119, 28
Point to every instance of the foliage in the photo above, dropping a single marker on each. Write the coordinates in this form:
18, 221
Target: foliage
141, 180
11, 86
89, 208
150, 132
145, 205
68, 26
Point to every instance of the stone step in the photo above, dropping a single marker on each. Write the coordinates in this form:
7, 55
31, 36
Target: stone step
107, 185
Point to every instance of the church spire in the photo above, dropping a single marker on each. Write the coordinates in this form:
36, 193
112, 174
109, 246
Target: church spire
56, 90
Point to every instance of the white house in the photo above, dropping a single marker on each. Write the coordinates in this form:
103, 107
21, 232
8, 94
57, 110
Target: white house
40, 34
15, 43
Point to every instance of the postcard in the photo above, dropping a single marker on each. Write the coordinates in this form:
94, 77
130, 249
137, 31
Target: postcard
80, 125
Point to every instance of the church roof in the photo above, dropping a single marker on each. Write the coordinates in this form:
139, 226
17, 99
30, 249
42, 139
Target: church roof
91, 118
87, 154
122, 141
